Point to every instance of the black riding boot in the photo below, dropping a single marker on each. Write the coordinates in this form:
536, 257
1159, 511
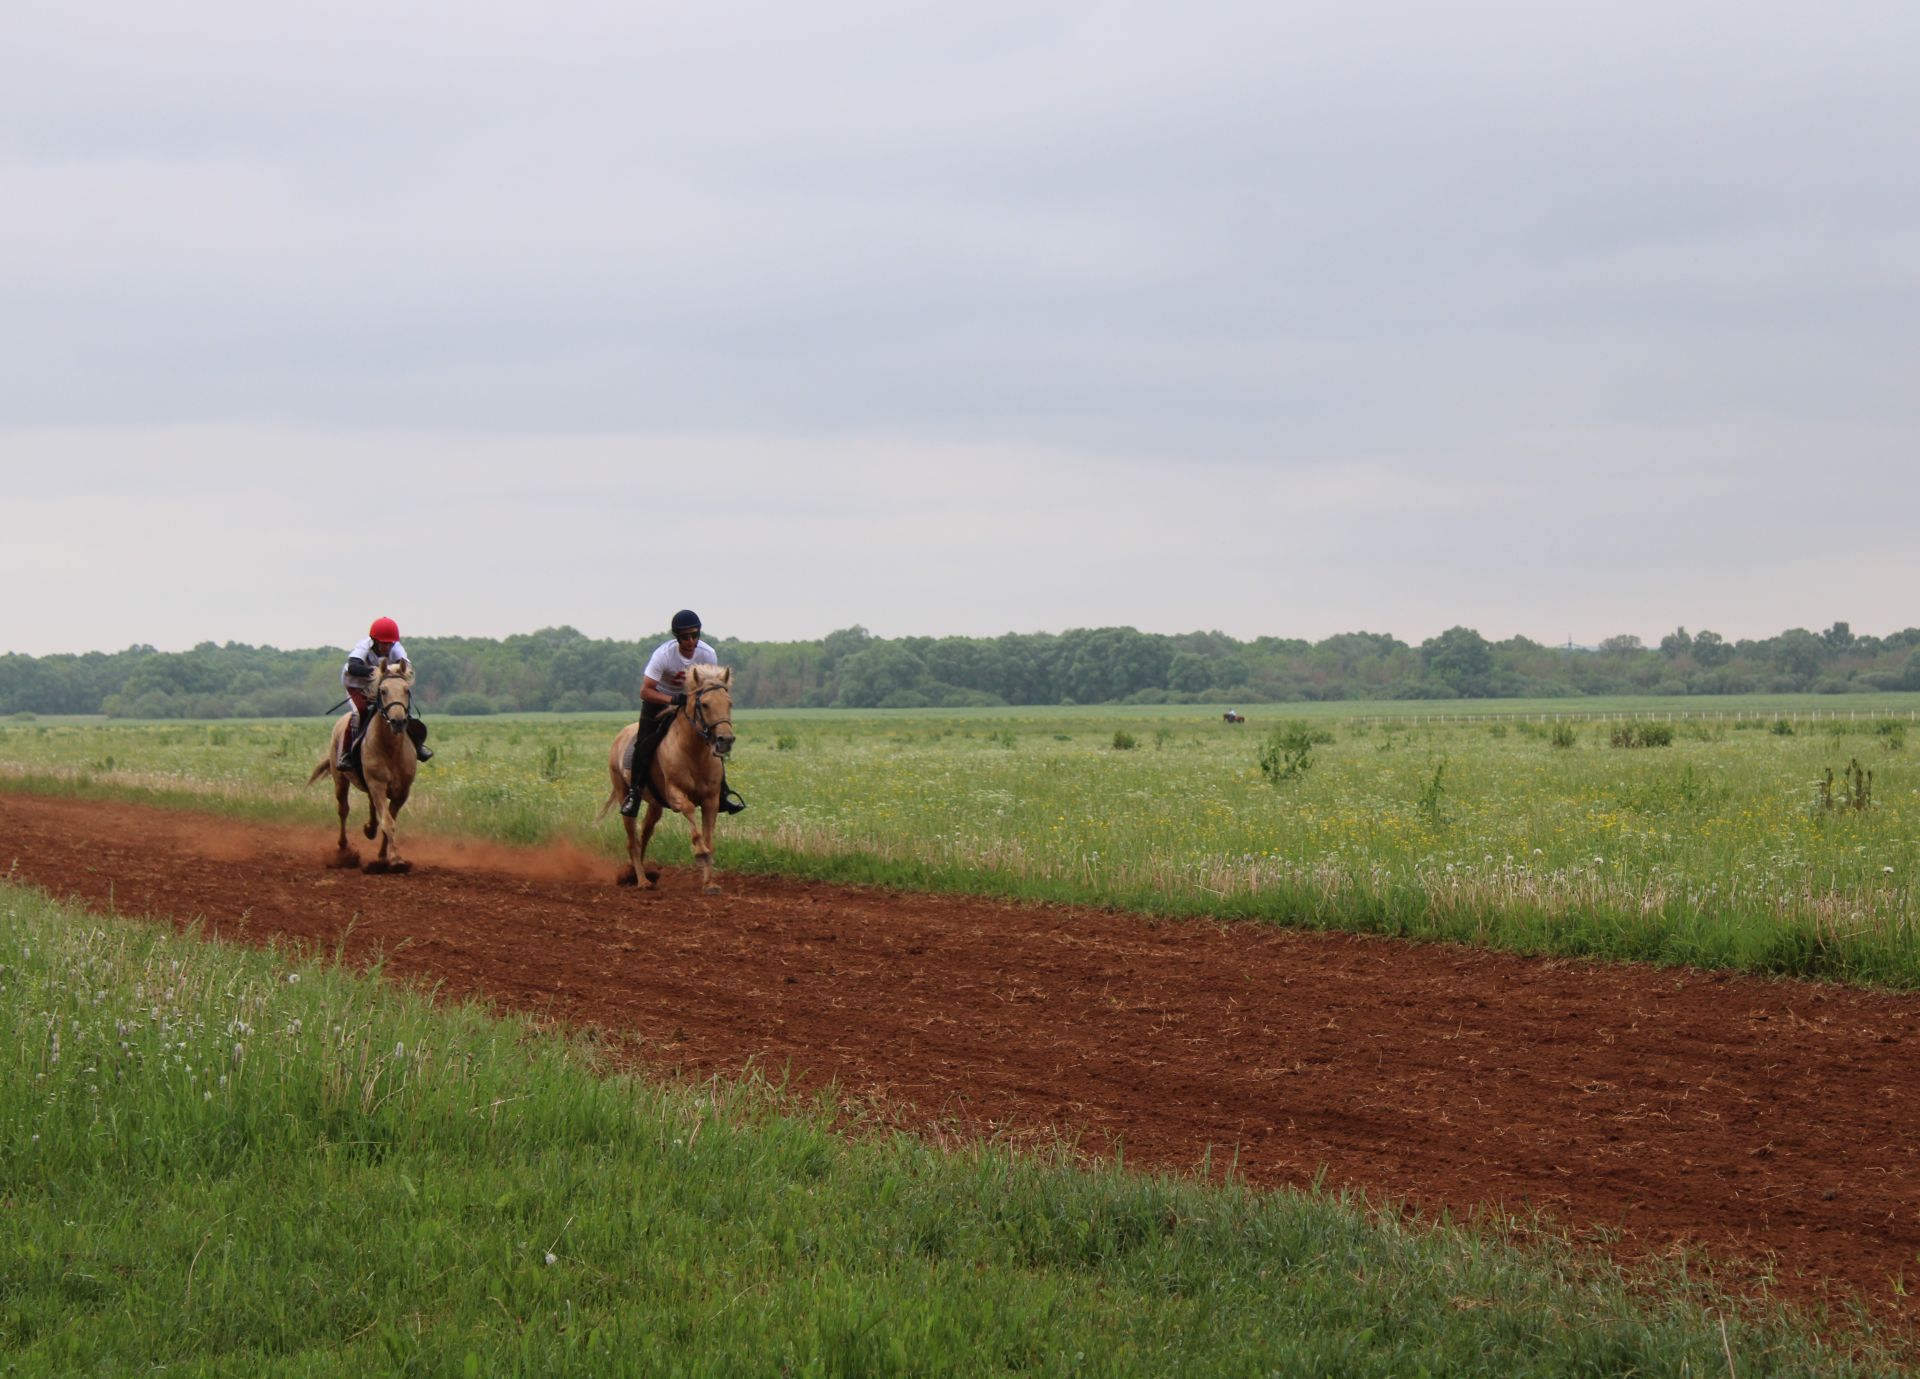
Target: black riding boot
730, 801
350, 742
630, 807
417, 730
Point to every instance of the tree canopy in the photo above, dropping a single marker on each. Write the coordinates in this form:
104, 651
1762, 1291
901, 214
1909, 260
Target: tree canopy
560, 668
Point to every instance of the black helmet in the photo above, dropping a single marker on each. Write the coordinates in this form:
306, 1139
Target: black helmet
686, 620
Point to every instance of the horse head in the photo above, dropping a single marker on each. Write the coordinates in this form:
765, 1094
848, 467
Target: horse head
393, 693
710, 706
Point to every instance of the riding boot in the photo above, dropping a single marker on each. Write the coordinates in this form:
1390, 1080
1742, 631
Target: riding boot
417, 730
349, 743
630, 807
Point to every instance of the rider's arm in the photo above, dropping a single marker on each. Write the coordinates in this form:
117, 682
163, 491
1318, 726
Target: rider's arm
651, 692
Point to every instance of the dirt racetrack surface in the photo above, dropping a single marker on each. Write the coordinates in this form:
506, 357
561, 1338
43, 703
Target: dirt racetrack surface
1768, 1125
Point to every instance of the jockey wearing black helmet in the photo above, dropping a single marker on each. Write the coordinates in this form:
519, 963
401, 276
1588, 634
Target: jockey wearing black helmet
663, 687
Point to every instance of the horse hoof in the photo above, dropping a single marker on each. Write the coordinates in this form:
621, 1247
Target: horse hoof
713, 890
343, 859
627, 877
399, 868
653, 878
369, 831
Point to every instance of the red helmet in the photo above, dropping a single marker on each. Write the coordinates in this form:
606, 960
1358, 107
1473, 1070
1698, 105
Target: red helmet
384, 630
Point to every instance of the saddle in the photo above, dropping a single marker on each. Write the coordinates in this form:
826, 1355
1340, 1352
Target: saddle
357, 735
730, 800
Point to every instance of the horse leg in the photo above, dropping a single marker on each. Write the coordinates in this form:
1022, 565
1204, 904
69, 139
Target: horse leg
646, 836
377, 825
395, 802
342, 794
630, 874
709, 810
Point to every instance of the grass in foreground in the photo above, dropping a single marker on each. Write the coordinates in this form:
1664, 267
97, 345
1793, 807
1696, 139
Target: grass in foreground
217, 1162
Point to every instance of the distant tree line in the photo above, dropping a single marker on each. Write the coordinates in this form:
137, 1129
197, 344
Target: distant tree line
561, 669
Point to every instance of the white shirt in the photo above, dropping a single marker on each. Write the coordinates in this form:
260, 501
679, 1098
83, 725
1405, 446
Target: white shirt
667, 668
363, 649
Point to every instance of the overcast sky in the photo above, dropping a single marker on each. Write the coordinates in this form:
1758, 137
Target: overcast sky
1562, 320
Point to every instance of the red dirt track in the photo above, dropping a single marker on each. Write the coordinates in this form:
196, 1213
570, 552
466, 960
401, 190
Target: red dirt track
1750, 1119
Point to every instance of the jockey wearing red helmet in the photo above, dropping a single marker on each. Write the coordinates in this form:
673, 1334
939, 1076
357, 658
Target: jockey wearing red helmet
382, 643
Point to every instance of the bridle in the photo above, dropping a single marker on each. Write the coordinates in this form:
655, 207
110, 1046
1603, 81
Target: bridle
387, 709
704, 726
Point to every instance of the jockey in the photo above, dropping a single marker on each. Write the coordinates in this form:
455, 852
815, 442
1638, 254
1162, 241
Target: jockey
382, 643
663, 686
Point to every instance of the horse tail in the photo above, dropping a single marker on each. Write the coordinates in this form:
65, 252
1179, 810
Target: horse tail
320, 770
609, 802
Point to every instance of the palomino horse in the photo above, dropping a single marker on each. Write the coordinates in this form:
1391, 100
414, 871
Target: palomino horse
686, 774
387, 763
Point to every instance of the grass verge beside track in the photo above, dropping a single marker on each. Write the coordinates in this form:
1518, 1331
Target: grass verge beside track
221, 1161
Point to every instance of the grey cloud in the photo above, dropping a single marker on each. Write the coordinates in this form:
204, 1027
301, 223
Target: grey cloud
1522, 263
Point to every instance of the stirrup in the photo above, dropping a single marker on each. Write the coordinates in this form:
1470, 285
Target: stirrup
730, 801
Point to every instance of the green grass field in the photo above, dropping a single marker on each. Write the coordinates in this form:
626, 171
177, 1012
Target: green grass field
1730, 846
219, 1161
